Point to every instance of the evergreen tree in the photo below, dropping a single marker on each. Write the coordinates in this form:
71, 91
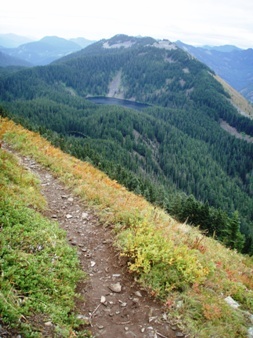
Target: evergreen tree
234, 239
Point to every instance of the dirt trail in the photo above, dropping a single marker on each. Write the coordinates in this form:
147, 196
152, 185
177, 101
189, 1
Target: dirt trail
114, 305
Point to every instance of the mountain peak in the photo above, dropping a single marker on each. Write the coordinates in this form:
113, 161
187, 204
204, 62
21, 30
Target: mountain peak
165, 44
119, 41
125, 41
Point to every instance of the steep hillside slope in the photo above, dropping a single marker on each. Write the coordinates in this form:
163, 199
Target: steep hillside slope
197, 279
243, 105
39, 270
177, 144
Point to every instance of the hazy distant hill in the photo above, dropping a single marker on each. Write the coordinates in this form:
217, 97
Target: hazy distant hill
44, 51
224, 49
13, 40
82, 41
7, 60
234, 65
40, 52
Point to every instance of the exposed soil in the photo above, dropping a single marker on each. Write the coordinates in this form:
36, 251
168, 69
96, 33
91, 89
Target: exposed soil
113, 304
115, 89
233, 131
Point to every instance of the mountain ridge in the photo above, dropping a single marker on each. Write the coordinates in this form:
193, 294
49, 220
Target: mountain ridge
47, 49
158, 151
6, 61
235, 66
13, 40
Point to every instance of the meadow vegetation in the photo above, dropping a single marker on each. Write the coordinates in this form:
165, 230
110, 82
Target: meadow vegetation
191, 273
38, 269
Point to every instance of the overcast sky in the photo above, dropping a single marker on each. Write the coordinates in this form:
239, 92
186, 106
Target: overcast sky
196, 22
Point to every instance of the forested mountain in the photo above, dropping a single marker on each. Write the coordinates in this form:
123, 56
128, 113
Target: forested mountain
175, 152
7, 60
232, 64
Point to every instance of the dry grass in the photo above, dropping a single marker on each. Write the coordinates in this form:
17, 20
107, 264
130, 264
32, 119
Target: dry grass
200, 306
244, 107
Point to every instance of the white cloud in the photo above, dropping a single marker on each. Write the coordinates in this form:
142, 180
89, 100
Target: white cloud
199, 22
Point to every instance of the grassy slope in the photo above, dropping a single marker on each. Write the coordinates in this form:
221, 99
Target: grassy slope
192, 274
38, 269
244, 107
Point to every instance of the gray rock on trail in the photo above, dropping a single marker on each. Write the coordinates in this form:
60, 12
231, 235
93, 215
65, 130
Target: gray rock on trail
115, 287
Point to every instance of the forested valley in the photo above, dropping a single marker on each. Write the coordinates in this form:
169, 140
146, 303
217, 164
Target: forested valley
174, 153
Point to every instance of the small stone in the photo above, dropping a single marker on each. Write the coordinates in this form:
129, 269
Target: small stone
151, 319
82, 317
115, 287
48, 324
138, 294
130, 334
179, 334
68, 216
70, 199
64, 196
251, 318
122, 304
92, 263
143, 329
102, 299
165, 317
116, 275
126, 328
100, 327
85, 215
230, 301
136, 302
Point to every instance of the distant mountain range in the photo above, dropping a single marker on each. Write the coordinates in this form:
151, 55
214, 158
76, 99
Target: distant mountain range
13, 40
225, 48
7, 61
40, 52
231, 63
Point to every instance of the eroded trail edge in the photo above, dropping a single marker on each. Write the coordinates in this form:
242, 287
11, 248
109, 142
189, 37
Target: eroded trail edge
112, 303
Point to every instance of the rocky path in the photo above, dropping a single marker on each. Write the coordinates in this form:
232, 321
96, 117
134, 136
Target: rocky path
113, 304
